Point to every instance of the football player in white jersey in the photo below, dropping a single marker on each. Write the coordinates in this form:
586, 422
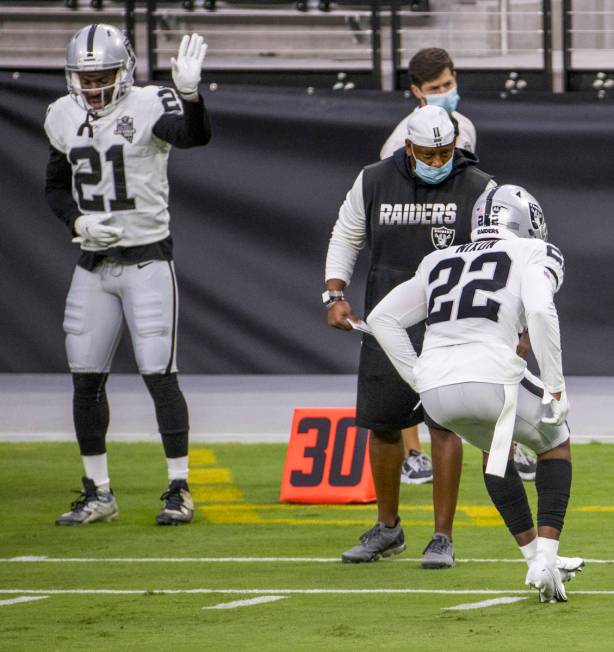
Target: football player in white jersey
476, 298
107, 181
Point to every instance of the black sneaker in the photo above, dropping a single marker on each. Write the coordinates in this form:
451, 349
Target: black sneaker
178, 505
439, 553
92, 505
380, 541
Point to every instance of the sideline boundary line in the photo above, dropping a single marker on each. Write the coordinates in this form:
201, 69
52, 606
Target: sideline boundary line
274, 591
33, 559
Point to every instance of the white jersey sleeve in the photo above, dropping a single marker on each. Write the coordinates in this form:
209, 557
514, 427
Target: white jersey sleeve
541, 279
401, 308
349, 235
53, 127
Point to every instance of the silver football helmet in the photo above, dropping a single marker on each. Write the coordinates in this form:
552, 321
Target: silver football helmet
95, 48
505, 212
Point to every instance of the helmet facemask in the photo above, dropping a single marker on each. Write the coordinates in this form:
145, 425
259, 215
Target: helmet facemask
111, 93
99, 48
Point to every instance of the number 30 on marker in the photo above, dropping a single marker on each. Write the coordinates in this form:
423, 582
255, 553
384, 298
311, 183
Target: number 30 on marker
327, 459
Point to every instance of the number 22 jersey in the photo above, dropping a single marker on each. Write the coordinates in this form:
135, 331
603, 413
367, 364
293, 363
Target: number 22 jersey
476, 298
119, 164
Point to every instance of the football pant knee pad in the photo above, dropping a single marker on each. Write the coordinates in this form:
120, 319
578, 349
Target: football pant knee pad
90, 412
510, 499
171, 412
553, 484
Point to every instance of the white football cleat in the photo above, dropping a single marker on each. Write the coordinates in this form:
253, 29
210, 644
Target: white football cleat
569, 566
547, 580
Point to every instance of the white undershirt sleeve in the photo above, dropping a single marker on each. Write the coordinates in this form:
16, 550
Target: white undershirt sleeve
399, 309
349, 235
537, 293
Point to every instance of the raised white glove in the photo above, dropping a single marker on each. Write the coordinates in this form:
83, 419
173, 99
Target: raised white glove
559, 409
91, 228
187, 66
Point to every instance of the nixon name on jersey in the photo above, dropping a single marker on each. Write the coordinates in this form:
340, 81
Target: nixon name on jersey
435, 214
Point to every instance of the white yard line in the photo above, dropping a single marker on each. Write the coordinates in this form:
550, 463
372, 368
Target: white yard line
239, 560
23, 598
252, 601
483, 604
48, 592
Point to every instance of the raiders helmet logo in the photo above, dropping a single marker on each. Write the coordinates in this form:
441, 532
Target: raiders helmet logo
442, 237
537, 217
125, 128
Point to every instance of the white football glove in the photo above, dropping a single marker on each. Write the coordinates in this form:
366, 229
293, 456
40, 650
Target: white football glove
91, 228
559, 409
187, 66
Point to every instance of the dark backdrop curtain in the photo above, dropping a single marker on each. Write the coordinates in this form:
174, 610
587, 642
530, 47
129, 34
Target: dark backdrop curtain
252, 213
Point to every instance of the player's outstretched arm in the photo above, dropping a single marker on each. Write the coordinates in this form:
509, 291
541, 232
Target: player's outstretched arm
187, 124
187, 67
398, 310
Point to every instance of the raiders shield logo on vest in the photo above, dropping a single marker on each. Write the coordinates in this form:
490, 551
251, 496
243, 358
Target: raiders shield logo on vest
442, 237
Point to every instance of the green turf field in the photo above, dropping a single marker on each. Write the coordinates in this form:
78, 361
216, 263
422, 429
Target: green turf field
130, 585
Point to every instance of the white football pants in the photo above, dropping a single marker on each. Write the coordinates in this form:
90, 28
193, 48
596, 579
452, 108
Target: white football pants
472, 409
144, 294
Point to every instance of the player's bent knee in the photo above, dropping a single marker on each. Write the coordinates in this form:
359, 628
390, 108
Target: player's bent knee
509, 497
387, 436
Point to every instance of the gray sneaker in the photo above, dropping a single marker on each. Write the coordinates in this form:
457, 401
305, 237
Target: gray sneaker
439, 553
380, 541
92, 505
525, 462
417, 469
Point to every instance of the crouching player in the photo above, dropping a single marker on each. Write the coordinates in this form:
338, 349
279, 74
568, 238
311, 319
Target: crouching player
476, 298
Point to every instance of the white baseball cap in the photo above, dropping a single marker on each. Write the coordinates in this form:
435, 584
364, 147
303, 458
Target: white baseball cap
430, 126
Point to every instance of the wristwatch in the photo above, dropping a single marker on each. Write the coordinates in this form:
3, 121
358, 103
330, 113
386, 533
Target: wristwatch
330, 296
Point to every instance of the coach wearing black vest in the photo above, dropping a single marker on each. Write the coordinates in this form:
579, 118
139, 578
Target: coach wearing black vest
403, 207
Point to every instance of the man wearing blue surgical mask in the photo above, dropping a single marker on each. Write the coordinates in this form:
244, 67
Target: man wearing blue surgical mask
434, 82
402, 208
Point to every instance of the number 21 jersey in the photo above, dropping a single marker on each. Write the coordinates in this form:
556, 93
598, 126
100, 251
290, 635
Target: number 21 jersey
118, 164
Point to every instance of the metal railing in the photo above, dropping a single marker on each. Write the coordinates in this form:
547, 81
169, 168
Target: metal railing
588, 45
502, 36
368, 41
275, 39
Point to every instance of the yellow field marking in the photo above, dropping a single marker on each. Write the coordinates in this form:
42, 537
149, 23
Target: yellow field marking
219, 475
241, 516
204, 456
593, 508
215, 494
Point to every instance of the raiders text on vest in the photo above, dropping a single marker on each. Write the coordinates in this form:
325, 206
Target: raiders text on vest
417, 214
